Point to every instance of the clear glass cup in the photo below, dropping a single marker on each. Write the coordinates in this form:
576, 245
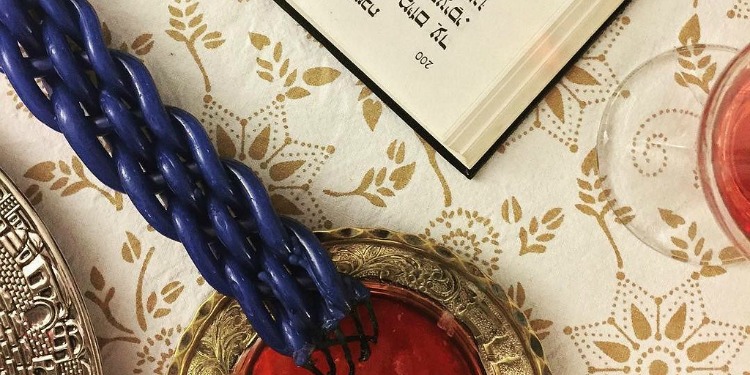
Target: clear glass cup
673, 147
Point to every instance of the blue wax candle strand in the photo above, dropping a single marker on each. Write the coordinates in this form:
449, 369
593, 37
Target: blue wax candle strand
163, 159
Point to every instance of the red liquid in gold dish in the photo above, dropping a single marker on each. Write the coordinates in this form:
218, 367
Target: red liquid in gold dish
416, 338
725, 151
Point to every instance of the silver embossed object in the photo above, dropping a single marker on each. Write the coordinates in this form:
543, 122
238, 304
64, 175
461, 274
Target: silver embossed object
44, 326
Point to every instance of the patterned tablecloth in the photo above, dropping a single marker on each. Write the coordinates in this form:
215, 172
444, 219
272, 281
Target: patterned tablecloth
535, 218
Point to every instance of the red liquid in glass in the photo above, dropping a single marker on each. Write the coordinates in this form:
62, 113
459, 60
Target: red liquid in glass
414, 340
730, 158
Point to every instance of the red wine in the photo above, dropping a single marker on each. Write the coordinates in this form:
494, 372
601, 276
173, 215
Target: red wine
725, 150
416, 338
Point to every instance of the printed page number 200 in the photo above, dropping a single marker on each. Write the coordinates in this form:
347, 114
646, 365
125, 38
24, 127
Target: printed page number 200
423, 60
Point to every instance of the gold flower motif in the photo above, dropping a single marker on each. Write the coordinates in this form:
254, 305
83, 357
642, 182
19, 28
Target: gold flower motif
469, 234
659, 335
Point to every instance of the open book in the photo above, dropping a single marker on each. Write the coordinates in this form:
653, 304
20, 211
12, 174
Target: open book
460, 72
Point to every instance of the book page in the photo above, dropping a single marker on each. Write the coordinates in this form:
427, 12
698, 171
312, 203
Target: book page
436, 58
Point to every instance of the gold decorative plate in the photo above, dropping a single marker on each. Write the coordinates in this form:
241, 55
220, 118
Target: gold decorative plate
44, 326
505, 343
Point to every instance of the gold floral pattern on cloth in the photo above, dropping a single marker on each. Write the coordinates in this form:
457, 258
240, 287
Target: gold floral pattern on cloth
538, 218
659, 335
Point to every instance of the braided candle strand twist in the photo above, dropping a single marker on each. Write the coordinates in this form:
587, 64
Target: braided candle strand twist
163, 159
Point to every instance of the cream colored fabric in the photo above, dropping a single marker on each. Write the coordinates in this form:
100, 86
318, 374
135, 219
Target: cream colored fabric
332, 155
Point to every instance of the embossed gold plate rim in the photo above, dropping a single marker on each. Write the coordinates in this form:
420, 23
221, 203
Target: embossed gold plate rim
81, 349
503, 337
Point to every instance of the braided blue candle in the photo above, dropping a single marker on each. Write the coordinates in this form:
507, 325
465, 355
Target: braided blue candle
163, 159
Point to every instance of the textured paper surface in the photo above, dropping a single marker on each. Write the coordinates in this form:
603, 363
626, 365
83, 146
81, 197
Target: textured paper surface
332, 156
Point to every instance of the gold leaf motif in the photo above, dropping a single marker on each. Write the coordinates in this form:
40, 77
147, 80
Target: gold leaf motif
177, 36
641, 326
391, 152
64, 168
680, 80
259, 41
143, 43
381, 176
372, 110
676, 325
693, 231
266, 76
211, 36
191, 9
679, 243
400, 154
555, 102
151, 302
127, 254
284, 68
41, 172
34, 194
265, 64
586, 198
551, 215
384, 191
672, 219
581, 77
135, 244
520, 295
368, 178
545, 237
401, 176
680, 255
297, 93
224, 143
177, 24
691, 31
686, 64
175, 11
320, 76
284, 170
585, 185
277, 51
701, 351
375, 200
699, 246
171, 292
213, 44
97, 280
533, 226
590, 163
539, 325
618, 352
730, 255
712, 271
259, 147
59, 183
511, 206
291, 78
160, 313
587, 210
198, 32
365, 92
74, 188
195, 21
284, 206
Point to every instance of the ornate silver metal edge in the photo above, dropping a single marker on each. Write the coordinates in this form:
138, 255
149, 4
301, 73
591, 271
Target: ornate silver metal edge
219, 333
45, 327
